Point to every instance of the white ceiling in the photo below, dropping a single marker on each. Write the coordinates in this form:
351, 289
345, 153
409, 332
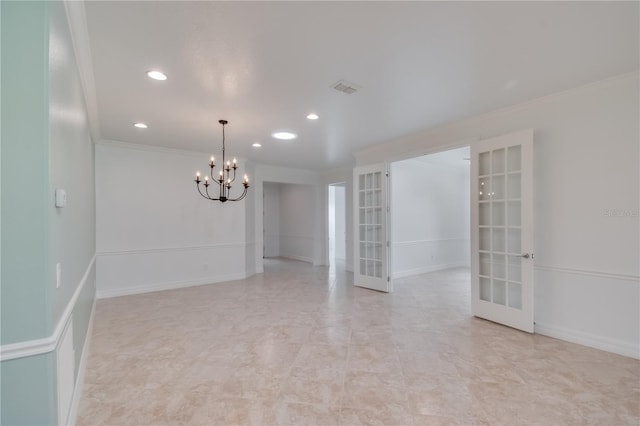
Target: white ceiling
264, 66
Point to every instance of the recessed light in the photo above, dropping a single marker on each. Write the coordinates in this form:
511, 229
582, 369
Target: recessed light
140, 125
313, 116
284, 135
256, 145
157, 75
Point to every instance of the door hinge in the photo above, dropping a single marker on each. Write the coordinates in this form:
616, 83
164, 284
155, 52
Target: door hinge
388, 278
388, 244
386, 174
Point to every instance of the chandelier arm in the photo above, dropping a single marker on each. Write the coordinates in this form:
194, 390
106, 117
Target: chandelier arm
205, 196
244, 193
206, 189
234, 176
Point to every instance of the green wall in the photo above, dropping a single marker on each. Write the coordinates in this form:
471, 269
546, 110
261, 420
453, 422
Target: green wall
41, 151
28, 391
25, 172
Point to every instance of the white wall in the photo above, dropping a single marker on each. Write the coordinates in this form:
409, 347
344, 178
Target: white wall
586, 201
429, 215
154, 231
271, 219
297, 221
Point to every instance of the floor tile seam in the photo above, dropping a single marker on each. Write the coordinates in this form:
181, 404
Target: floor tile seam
406, 409
344, 375
404, 379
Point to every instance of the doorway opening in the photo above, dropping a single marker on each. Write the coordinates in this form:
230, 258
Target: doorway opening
430, 215
337, 231
288, 221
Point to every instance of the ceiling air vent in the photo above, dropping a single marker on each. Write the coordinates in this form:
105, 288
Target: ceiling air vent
345, 87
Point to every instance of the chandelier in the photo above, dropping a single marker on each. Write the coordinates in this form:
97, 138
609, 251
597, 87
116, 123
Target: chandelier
224, 178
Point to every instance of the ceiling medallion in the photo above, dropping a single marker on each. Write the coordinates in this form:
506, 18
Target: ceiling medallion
224, 178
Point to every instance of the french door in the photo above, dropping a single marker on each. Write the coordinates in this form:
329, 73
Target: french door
370, 207
502, 229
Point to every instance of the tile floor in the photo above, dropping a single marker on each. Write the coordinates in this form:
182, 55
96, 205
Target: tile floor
300, 345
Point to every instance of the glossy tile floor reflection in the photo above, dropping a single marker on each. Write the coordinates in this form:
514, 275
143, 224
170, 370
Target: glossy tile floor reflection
300, 345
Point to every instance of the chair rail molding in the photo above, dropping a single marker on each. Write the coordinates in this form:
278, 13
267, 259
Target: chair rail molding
46, 344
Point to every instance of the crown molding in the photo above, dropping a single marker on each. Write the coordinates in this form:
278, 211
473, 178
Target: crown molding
154, 148
375, 150
77, 18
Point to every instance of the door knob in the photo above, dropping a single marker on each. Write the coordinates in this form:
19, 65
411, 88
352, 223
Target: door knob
526, 255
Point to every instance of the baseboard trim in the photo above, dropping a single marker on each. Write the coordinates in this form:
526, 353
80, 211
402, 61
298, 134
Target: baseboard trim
46, 344
587, 339
427, 269
82, 368
172, 285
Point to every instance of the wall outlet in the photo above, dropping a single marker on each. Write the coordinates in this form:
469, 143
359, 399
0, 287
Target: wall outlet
58, 274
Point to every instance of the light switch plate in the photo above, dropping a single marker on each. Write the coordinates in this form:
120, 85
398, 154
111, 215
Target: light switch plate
61, 198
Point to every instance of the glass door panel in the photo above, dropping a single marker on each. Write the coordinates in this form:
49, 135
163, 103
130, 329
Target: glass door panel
371, 205
502, 274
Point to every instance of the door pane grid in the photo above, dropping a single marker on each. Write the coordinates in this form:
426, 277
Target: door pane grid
499, 211
371, 238
514, 236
